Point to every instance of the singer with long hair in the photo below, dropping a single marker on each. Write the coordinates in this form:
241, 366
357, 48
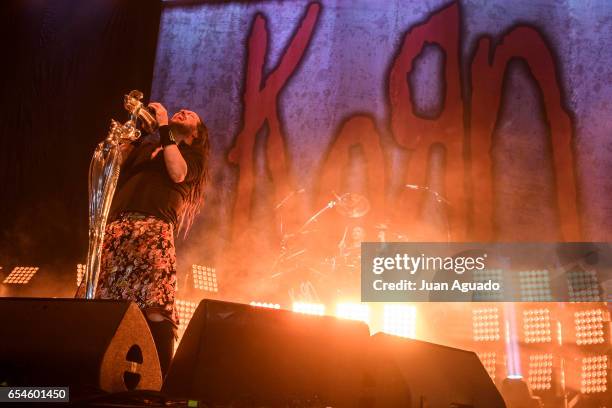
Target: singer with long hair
159, 192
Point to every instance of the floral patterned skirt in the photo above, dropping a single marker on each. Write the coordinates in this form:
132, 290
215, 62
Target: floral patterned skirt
139, 264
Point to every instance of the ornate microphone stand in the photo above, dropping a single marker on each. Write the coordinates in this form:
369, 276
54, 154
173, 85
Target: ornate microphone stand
103, 176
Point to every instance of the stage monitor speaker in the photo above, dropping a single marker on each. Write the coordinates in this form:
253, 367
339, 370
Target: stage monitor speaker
78, 343
236, 354
433, 376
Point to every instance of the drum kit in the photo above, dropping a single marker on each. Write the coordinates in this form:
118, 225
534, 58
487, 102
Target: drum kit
311, 257
325, 257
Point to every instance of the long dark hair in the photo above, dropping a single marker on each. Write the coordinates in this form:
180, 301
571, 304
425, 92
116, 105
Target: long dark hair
195, 199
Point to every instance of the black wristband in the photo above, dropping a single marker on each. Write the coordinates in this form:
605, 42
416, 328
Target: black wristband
165, 136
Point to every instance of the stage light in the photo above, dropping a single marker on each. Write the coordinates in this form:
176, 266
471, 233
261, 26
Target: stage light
265, 304
514, 367
486, 275
80, 275
583, 286
540, 372
590, 326
204, 278
21, 275
309, 308
400, 320
535, 286
489, 361
486, 324
353, 311
594, 374
606, 287
537, 326
185, 310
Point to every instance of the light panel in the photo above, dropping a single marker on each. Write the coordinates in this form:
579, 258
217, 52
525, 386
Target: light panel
540, 372
185, 309
265, 304
484, 276
489, 361
537, 326
400, 320
21, 275
309, 308
583, 286
353, 311
535, 286
80, 273
204, 278
486, 324
594, 374
590, 326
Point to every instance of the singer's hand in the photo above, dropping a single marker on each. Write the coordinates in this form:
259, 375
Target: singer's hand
161, 114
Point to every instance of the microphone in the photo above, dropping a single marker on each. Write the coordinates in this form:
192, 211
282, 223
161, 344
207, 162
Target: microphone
147, 115
151, 110
132, 102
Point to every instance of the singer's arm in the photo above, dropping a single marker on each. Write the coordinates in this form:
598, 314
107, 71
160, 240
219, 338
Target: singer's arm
175, 163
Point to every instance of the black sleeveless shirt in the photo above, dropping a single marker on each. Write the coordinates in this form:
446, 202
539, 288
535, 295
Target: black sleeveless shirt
144, 185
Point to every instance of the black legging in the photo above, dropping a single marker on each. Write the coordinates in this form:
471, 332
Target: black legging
163, 334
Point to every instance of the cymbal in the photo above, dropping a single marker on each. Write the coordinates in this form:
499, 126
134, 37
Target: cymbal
352, 205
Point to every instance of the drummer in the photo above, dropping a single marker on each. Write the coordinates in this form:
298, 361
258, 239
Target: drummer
358, 235
350, 248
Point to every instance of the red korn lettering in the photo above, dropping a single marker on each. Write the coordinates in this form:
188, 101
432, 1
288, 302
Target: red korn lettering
488, 66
